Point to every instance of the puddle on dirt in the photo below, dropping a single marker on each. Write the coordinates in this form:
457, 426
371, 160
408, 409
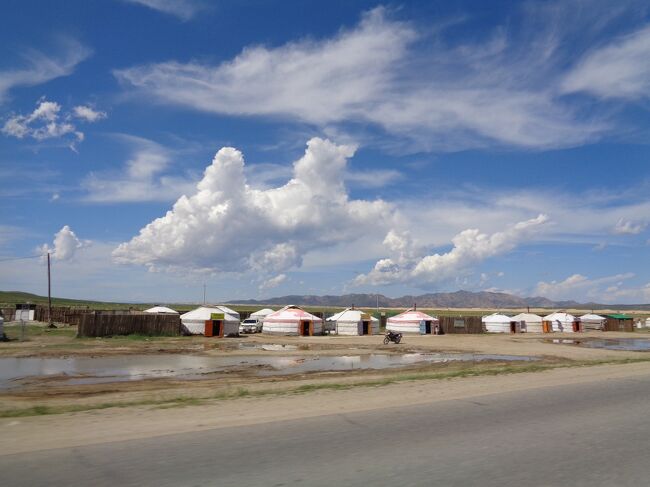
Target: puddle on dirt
626, 344
267, 347
16, 372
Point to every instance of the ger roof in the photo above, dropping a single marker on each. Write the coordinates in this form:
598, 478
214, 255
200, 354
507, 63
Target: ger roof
350, 314
411, 315
496, 318
204, 312
561, 317
263, 312
291, 313
527, 317
592, 317
160, 309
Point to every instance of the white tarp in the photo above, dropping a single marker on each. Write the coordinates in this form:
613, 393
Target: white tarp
24, 315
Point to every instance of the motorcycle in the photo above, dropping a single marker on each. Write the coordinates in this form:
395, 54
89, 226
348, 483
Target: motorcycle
392, 337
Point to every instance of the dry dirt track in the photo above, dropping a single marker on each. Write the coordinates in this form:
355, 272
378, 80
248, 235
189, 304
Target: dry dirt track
576, 426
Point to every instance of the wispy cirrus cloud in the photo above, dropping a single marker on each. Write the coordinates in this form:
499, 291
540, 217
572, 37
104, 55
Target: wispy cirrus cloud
144, 176
606, 289
619, 69
445, 97
183, 9
39, 67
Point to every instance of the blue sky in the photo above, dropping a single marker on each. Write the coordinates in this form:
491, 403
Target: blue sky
271, 148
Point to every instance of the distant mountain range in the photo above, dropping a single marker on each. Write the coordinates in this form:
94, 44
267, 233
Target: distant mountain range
458, 299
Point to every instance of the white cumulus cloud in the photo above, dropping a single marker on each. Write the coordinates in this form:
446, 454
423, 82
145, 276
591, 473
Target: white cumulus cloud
228, 226
47, 122
88, 114
273, 282
470, 247
628, 227
65, 245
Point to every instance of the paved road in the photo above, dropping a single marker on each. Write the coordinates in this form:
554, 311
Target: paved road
595, 434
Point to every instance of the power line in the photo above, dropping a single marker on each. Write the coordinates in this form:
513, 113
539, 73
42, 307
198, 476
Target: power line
21, 258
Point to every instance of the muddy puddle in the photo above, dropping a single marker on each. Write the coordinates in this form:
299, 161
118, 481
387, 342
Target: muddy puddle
17, 372
626, 344
269, 347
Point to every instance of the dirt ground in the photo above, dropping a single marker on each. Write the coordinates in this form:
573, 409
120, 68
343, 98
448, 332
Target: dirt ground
61, 342
117, 424
54, 392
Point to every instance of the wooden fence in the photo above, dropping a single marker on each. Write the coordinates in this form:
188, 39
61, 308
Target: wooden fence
61, 314
461, 324
617, 324
8, 314
101, 325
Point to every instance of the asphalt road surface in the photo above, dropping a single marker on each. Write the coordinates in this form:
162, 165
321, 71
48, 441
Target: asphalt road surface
595, 434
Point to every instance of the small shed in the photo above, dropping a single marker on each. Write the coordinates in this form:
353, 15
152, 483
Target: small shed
561, 322
619, 322
161, 310
25, 312
215, 320
412, 321
292, 320
353, 322
529, 322
500, 323
591, 321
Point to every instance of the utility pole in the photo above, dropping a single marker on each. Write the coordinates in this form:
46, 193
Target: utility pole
204, 294
49, 294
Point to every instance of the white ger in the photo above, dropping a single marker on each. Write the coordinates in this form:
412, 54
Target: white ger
194, 321
561, 322
354, 322
292, 320
412, 321
499, 323
529, 322
591, 321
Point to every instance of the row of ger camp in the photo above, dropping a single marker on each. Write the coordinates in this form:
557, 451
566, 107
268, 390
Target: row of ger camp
292, 320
